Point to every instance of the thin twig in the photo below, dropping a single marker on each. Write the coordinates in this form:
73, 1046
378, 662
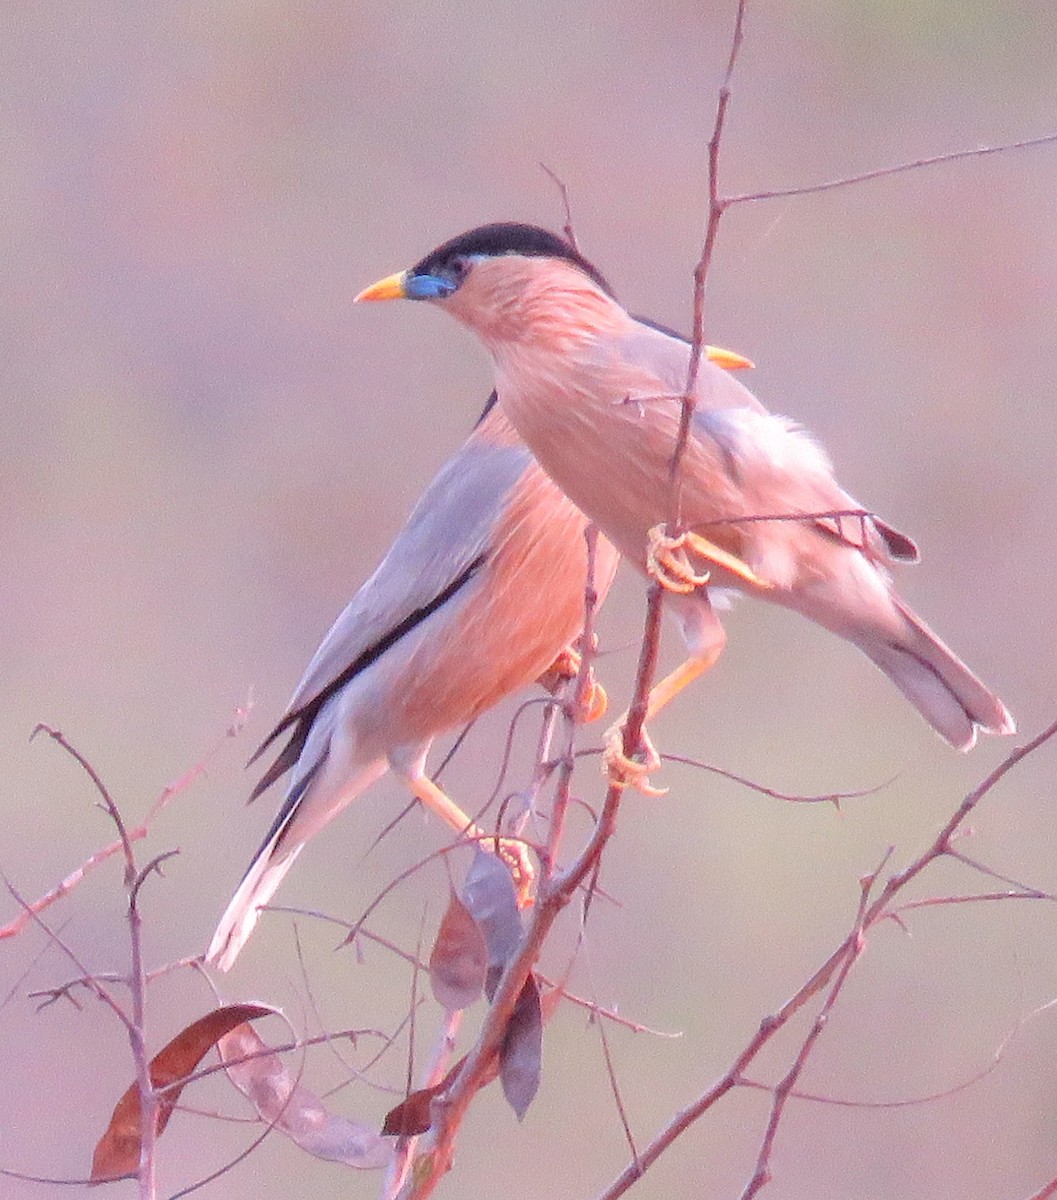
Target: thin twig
704, 263
92, 982
567, 228
931, 160
49, 996
607, 1055
66, 885
581, 688
124, 840
834, 798
857, 943
963, 1085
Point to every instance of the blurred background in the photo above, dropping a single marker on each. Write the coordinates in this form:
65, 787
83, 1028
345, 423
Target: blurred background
204, 449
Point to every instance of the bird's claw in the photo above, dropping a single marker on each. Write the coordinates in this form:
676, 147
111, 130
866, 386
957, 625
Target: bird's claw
622, 771
565, 668
515, 855
596, 702
667, 561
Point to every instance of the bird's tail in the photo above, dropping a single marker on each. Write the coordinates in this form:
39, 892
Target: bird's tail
954, 701
309, 806
851, 596
256, 889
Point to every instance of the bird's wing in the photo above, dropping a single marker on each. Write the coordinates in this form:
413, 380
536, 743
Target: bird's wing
729, 416
720, 400
445, 542
665, 355
790, 453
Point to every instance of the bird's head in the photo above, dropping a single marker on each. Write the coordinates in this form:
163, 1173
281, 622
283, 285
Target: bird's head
504, 281
510, 282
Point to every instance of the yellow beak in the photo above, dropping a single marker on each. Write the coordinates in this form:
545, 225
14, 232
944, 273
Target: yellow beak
392, 287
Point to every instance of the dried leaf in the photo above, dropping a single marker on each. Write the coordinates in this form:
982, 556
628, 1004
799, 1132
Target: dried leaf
521, 1054
413, 1116
459, 960
293, 1109
117, 1151
550, 1000
491, 898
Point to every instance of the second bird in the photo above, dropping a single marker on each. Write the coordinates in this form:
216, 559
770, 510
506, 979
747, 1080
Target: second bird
481, 592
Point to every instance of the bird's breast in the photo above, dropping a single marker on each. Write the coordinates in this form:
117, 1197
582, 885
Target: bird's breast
606, 437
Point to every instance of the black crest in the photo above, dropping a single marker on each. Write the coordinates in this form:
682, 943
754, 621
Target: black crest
507, 237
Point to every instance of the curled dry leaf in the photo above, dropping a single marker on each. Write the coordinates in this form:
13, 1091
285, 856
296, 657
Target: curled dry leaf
293, 1109
118, 1150
491, 898
521, 1054
459, 961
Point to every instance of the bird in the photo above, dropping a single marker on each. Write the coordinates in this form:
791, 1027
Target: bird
597, 394
481, 593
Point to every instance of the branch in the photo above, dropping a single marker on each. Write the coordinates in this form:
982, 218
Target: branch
63, 888
856, 945
932, 160
848, 950
715, 212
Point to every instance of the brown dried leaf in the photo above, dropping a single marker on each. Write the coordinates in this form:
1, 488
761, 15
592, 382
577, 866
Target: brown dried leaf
459, 960
412, 1116
293, 1109
117, 1151
521, 1054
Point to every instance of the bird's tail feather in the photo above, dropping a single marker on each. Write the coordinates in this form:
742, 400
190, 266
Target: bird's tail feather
940, 686
308, 808
256, 889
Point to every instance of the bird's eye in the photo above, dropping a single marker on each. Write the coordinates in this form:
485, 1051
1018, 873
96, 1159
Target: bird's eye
458, 267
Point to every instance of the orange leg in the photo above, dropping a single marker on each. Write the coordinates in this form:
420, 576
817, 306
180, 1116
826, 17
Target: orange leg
615, 763
705, 640
514, 853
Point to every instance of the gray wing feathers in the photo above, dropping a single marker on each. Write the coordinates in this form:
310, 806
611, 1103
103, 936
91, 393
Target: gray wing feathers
449, 528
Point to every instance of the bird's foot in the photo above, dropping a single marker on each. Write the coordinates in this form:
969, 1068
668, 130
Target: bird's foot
622, 771
668, 562
566, 667
514, 854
